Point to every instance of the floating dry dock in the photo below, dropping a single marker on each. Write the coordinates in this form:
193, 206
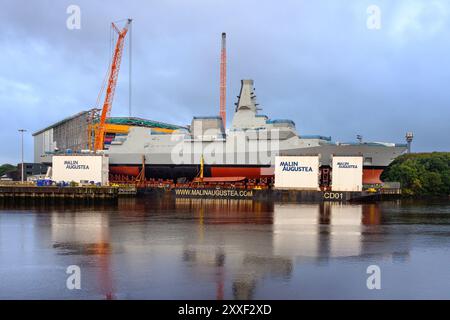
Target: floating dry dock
54, 192
320, 196
298, 196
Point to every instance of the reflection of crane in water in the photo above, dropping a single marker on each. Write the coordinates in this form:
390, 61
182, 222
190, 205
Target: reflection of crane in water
103, 252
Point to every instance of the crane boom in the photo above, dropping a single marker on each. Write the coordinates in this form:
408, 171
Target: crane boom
112, 82
223, 81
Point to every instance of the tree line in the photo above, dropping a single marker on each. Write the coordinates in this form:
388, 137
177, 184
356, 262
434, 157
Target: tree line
421, 173
5, 168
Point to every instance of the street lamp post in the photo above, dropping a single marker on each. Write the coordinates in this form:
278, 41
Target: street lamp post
22, 132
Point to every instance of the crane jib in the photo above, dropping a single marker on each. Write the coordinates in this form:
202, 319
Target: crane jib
112, 82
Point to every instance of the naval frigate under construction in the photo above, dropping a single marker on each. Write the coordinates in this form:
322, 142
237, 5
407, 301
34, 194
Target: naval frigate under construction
248, 149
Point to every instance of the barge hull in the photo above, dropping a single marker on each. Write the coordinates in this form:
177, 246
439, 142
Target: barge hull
297, 196
371, 174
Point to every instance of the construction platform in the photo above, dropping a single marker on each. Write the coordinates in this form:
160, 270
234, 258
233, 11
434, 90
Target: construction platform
285, 196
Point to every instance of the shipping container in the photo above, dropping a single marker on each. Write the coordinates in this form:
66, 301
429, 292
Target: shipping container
69, 168
301, 173
347, 173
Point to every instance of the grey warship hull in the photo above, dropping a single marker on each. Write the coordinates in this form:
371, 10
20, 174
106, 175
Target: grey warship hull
247, 149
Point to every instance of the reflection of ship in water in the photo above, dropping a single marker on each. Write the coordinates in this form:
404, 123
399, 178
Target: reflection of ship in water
237, 243
245, 269
214, 211
254, 268
319, 232
235, 253
83, 234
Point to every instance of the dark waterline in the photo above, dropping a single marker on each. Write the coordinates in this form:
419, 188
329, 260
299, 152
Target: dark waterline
166, 248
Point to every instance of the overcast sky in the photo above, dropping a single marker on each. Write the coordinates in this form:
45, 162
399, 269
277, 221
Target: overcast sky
315, 62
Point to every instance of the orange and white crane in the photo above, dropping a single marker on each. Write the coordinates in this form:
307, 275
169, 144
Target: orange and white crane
112, 82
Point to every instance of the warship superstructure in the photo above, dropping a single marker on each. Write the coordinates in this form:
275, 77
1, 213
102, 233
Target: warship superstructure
247, 149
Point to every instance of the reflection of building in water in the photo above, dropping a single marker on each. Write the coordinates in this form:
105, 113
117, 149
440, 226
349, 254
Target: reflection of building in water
329, 230
345, 230
82, 234
296, 230
79, 232
318, 230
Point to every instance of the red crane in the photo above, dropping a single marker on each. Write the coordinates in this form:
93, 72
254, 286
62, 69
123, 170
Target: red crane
112, 82
223, 81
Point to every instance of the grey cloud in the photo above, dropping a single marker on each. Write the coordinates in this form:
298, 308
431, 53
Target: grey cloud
312, 61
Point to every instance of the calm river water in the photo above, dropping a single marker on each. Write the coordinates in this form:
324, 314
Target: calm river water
169, 248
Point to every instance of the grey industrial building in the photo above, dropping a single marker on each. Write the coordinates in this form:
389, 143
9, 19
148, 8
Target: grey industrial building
69, 133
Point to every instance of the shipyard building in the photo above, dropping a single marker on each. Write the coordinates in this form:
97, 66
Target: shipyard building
75, 134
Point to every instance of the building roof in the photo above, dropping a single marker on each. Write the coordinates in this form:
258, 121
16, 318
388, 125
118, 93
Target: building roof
60, 122
131, 121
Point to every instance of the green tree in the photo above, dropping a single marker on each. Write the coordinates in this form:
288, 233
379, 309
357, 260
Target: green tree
5, 168
421, 173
